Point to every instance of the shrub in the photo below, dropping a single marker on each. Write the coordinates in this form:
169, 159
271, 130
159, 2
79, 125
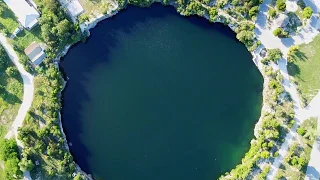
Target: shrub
254, 11
307, 12
12, 71
301, 131
281, 5
272, 13
265, 154
278, 32
213, 14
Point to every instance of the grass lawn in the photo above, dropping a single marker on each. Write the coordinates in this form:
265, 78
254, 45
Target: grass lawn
305, 69
7, 19
25, 38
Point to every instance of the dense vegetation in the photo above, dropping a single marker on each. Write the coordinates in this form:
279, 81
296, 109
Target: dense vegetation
56, 28
10, 99
9, 154
41, 133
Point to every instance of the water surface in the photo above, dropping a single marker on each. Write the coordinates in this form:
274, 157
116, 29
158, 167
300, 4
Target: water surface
154, 95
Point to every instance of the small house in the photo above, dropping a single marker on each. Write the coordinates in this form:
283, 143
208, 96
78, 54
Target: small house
35, 53
281, 20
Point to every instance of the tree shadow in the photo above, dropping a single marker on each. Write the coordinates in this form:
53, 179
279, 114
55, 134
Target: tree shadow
293, 69
7, 13
9, 97
312, 173
300, 55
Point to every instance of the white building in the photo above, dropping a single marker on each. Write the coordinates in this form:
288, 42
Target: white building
26, 14
73, 6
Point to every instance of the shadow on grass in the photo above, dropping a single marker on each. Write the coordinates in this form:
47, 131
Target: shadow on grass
9, 97
293, 69
300, 56
6, 12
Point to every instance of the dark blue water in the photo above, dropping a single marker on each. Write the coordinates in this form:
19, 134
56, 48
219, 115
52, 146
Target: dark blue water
154, 95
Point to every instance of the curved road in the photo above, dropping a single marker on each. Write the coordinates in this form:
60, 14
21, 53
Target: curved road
28, 90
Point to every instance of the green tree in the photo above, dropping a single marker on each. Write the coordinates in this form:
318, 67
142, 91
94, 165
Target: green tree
272, 13
274, 54
307, 12
26, 164
12, 71
9, 149
265, 154
213, 14
281, 5
278, 32
11, 169
245, 36
254, 11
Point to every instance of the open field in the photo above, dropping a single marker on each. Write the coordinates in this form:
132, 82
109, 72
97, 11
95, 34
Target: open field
305, 69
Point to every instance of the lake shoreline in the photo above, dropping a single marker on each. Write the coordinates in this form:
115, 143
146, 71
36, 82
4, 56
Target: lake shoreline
86, 30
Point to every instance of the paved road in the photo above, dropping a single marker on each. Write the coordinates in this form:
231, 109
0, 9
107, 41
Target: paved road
28, 90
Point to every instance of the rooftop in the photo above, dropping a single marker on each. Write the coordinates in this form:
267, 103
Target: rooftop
35, 53
26, 14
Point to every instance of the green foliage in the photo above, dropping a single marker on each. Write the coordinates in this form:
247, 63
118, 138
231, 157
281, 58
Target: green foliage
12, 71
293, 50
254, 11
195, 8
56, 29
265, 154
9, 149
264, 173
9, 154
78, 177
307, 12
273, 55
245, 33
213, 14
26, 164
301, 131
141, 3
272, 13
222, 3
277, 32
281, 5
12, 169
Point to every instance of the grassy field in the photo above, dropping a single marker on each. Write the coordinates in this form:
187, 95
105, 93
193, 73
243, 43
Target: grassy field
305, 69
7, 19
25, 38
